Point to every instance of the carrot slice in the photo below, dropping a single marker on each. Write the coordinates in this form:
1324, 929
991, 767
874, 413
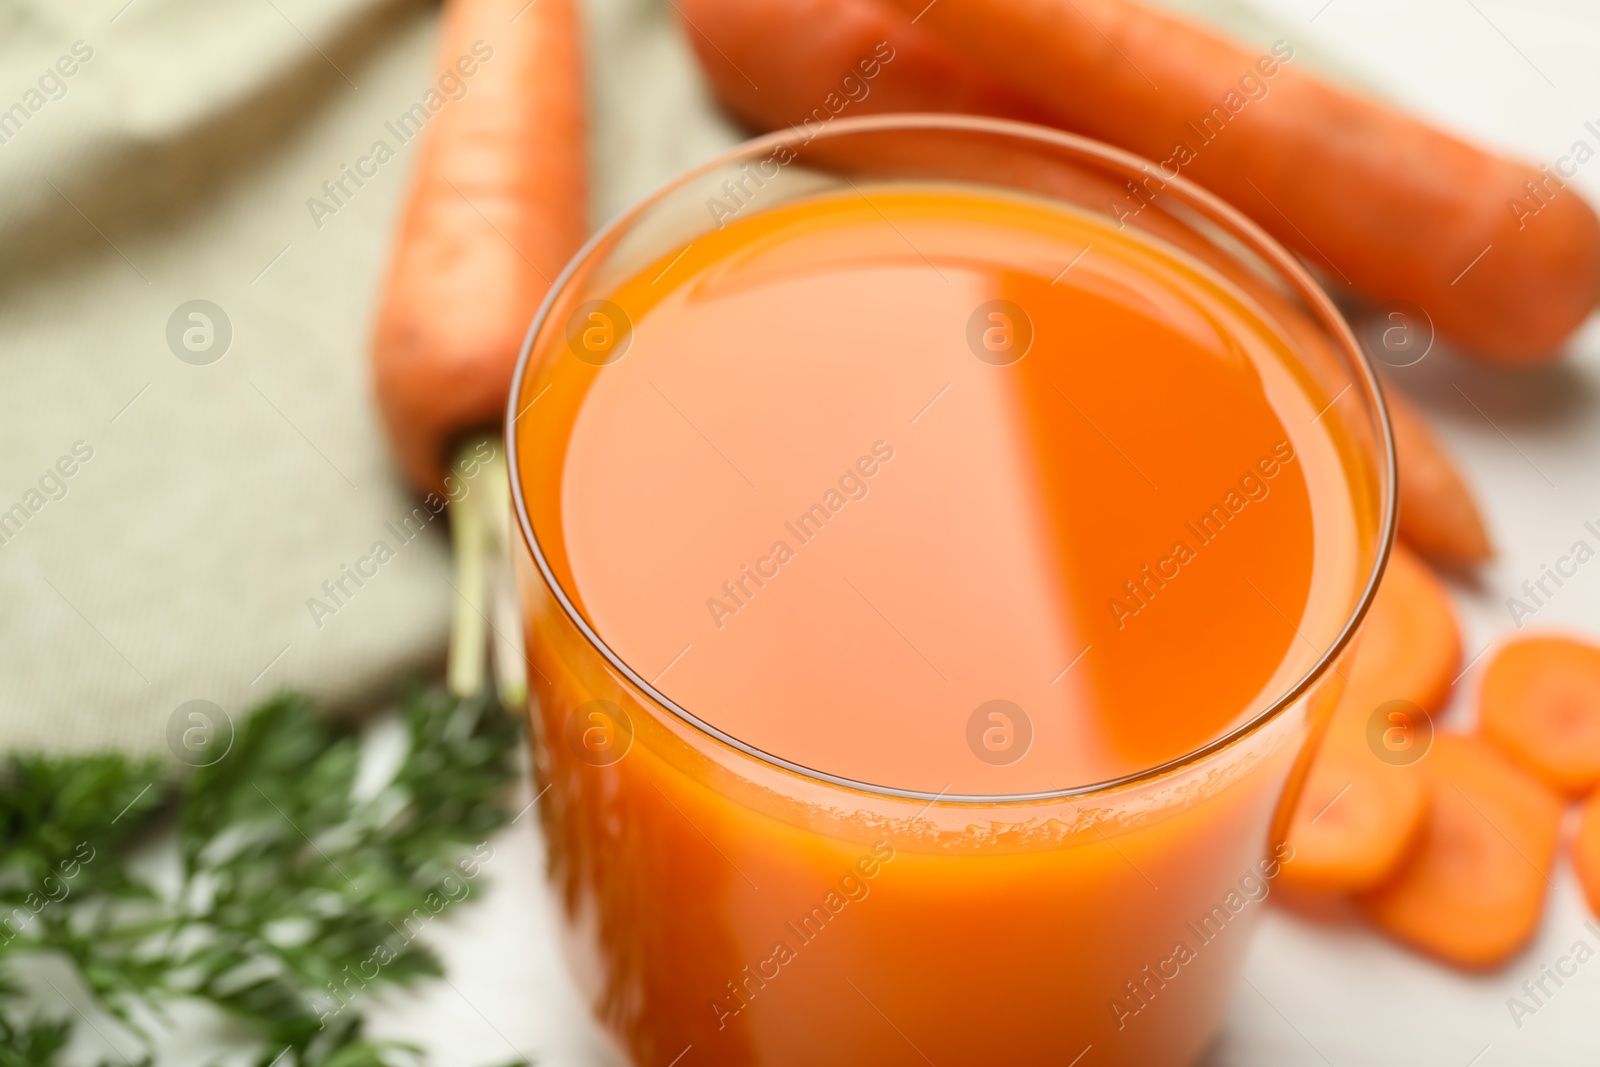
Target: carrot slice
1410, 643
1540, 704
1438, 516
1363, 801
497, 207
1586, 851
1379, 201
1473, 891
1355, 821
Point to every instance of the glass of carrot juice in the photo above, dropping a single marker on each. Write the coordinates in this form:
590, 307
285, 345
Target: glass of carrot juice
940, 540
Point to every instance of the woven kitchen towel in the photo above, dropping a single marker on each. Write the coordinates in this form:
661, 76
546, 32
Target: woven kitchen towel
174, 488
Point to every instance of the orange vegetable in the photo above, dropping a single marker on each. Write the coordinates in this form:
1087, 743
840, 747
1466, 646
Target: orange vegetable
1364, 800
1410, 643
1438, 516
1540, 704
1378, 201
1356, 820
1586, 852
1389, 205
1472, 892
801, 53
497, 206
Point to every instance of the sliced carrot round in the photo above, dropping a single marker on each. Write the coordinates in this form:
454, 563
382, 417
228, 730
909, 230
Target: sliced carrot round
1362, 804
1355, 822
1540, 703
1472, 891
1410, 644
1586, 852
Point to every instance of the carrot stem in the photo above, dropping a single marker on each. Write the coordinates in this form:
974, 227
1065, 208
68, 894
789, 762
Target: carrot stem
487, 628
469, 632
510, 658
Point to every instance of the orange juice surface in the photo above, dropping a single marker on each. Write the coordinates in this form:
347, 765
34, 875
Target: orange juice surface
822, 507
937, 491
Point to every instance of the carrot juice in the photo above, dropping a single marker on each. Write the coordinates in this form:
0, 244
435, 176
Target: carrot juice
918, 562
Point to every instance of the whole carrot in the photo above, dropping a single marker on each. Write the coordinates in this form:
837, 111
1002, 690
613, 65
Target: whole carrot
1504, 258
497, 206
1438, 516
776, 63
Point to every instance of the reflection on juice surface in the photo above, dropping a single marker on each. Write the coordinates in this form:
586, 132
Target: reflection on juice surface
936, 491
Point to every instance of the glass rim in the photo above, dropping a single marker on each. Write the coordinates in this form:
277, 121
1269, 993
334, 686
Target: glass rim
1274, 254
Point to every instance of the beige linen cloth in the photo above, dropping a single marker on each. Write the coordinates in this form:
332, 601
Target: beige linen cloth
174, 488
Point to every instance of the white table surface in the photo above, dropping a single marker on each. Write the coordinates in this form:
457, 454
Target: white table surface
1521, 76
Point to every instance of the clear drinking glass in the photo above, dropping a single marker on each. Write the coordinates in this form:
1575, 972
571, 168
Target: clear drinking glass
726, 905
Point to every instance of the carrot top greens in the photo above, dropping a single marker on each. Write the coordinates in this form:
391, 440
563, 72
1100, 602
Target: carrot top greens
296, 895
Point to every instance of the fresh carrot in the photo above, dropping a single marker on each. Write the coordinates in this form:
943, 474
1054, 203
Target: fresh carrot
775, 63
1539, 703
1356, 820
1438, 516
1364, 801
1586, 851
1378, 201
1472, 892
496, 208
